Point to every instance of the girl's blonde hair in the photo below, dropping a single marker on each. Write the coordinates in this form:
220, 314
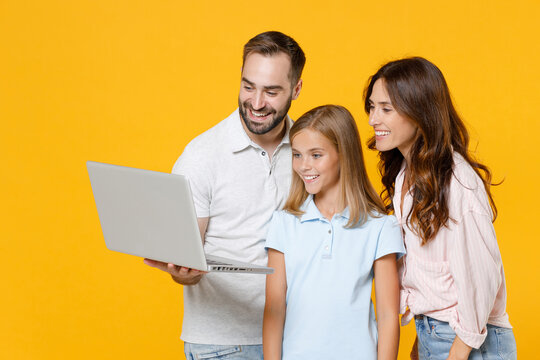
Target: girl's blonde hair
337, 124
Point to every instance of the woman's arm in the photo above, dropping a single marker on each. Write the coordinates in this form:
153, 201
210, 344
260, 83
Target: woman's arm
275, 306
459, 350
387, 298
476, 267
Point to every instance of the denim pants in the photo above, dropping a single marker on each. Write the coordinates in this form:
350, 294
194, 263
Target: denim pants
225, 352
436, 337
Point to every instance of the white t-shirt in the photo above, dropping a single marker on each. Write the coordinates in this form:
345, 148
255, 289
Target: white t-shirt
234, 184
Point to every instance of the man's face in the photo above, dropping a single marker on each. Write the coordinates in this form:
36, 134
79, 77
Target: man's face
266, 92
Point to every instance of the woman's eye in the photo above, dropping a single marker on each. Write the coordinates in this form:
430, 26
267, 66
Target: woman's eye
386, 110
297, 156
316, 156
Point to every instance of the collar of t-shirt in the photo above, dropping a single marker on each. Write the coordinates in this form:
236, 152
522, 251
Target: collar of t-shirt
311, 212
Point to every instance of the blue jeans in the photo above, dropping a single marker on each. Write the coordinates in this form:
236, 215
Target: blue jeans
436, 337
223, 352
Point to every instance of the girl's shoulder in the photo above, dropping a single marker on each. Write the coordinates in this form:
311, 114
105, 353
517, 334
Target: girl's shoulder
380, 222
283, 217
385, 235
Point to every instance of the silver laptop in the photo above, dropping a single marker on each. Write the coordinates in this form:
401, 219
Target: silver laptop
151, 214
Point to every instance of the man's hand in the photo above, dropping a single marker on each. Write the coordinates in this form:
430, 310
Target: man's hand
180, 274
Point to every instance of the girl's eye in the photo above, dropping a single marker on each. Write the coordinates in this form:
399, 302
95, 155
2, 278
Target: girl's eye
386, 110
316, 156
296, 156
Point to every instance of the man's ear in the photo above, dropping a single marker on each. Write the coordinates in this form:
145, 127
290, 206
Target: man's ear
296, 90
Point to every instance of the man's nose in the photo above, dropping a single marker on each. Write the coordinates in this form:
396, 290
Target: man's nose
258, 101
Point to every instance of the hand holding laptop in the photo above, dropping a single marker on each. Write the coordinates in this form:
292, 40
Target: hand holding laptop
180, 274
152, 215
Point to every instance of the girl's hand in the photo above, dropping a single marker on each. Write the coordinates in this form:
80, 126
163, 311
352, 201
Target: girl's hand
387, 297
414, 350
275, 306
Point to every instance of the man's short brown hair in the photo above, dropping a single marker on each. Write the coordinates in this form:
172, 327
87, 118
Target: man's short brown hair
273, 42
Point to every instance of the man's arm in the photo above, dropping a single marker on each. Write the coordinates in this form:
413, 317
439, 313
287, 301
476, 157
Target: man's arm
180, 274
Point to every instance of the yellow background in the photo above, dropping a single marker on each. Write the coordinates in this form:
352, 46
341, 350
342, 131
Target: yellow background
131, 82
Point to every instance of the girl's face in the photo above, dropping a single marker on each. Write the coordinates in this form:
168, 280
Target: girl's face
392, 130
316, 161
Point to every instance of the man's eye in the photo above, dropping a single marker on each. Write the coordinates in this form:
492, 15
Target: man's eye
248, 88
271, 93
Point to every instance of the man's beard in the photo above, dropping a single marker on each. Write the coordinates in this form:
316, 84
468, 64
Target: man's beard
258, 128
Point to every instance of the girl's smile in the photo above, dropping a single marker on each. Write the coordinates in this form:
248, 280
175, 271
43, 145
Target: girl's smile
316, 161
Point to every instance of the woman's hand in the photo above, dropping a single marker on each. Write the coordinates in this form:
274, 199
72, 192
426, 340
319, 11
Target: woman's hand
459, 350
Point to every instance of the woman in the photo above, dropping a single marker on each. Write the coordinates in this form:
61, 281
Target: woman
452, 278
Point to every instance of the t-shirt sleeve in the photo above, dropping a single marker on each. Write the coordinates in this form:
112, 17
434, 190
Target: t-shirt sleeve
476, 268
390, 240
193, 164
275, 239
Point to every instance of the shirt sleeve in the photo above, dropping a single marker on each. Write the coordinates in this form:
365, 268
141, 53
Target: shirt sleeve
390, 240
194, 166
476, 267
275, 239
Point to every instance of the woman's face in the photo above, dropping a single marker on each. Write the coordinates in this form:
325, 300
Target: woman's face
392, 130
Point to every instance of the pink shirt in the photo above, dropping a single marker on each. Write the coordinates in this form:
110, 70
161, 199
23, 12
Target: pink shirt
457, 277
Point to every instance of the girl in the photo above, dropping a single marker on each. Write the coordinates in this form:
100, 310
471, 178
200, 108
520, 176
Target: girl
452, 278
326, 246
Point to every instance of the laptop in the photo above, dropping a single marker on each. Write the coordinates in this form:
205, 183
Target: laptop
152, 215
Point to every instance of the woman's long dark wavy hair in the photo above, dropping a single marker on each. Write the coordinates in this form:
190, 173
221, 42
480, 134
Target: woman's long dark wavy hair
418, 90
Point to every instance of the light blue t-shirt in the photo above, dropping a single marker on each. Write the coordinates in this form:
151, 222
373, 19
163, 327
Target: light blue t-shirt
329, 270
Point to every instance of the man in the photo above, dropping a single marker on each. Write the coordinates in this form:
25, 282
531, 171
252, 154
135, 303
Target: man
239, 172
